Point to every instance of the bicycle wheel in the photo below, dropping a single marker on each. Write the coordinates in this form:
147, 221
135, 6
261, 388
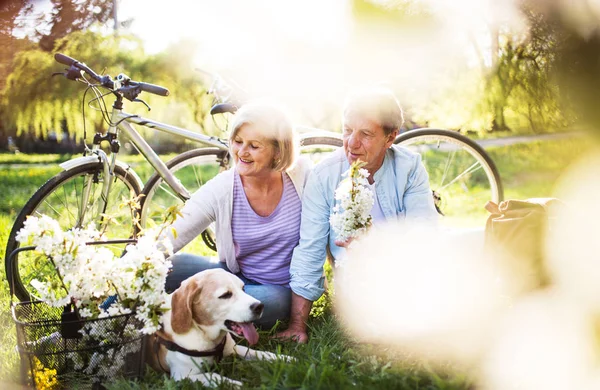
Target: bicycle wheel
193, 168
319, 146
462, 175
61, 198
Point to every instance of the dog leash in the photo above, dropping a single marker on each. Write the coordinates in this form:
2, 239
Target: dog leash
217, 352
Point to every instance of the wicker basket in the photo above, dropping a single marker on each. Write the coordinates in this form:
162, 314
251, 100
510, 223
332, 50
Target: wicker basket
59, 350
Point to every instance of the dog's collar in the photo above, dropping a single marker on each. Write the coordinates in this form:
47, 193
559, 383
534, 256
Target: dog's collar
217, 352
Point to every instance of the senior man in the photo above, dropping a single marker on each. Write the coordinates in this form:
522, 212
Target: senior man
399, 181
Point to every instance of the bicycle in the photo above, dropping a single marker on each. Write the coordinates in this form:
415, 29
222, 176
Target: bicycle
100, 188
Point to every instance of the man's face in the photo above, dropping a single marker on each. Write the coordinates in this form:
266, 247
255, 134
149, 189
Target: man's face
365, 140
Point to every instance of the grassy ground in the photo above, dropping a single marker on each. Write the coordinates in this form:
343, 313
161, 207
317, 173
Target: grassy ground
332, 359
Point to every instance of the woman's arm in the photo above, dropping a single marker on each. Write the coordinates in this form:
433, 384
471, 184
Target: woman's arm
199, 211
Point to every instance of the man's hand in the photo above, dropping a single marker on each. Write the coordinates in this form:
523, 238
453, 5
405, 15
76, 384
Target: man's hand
344, 244
298, 317
295, 333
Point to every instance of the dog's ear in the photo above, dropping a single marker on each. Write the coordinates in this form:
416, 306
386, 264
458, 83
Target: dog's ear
182, 302
200, 314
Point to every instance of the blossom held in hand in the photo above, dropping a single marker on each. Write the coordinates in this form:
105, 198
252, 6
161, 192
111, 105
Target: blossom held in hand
354, 200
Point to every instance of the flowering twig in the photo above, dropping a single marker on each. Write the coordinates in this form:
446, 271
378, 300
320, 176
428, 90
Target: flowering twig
90, 274
352, 214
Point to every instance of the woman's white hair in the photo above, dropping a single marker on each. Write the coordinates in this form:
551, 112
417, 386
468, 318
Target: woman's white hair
271, 121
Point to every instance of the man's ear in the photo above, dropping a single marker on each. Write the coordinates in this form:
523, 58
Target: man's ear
391, 137
182, 302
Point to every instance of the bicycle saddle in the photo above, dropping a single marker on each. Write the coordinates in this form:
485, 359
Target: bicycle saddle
222, 108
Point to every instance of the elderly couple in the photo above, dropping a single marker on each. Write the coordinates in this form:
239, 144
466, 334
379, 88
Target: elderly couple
272, 212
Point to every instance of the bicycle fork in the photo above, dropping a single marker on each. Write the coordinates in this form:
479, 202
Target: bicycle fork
108, 177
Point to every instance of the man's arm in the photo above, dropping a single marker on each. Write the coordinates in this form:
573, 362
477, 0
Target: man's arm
298, 316
418, 198
306, 268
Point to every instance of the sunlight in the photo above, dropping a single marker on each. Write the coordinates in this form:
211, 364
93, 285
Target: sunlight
271, 48
545, 342
310, 54
572, 245
436, 300
442, 294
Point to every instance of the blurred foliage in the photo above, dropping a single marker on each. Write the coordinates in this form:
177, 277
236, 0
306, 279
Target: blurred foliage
37, 104
518, 92
9, 10
539, 80
68, 16
578, 73
522, 90
397, 13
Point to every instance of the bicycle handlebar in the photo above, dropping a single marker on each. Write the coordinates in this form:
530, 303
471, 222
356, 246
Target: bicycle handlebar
63, 59
107, 81
152, 88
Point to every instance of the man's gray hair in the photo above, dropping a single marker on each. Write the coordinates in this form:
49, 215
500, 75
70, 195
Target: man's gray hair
378, 104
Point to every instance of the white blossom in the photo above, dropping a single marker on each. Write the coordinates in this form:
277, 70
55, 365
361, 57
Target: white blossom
89, 274
354, 200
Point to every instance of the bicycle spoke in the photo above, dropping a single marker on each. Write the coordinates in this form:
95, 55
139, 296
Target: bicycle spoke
447, 167
198, 181
51, 208
167, 190
473, 168
461, 174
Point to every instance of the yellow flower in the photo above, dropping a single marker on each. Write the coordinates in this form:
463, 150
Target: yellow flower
45, 378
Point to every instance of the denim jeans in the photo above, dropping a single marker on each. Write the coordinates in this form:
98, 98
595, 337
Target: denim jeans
277, 299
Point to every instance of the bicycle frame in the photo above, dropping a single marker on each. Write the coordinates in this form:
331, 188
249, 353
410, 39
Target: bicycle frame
142, 146
120, 122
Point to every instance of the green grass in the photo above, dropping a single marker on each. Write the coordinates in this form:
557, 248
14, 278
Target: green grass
534, 169
332, 359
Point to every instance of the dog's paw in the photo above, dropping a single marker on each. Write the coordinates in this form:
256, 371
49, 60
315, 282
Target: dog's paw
287, 358
233, 383
273, 356
263, 355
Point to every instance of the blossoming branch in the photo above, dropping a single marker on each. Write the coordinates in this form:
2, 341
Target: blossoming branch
87, 275
354, 200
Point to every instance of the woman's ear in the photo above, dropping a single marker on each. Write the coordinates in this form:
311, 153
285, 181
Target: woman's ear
276, 159
182, 302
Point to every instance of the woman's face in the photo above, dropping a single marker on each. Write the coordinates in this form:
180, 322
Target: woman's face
252, 153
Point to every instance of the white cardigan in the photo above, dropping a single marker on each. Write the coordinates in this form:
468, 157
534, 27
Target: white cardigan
213, 202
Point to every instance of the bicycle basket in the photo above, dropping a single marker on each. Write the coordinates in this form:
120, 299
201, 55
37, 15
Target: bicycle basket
61, 352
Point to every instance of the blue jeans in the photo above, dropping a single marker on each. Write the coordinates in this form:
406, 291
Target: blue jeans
277, 299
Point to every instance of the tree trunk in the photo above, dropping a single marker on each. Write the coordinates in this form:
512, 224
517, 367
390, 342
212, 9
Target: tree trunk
499, 122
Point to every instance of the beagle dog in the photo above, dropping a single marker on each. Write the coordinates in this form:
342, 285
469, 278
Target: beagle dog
197, 330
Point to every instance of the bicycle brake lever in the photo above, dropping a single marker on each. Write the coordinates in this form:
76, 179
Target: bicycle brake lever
73, 73
141, 101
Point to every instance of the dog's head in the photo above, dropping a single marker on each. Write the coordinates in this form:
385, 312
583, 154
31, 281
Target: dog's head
215, 297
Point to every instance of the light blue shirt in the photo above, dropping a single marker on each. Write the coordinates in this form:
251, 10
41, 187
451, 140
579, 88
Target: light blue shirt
403, 192
376, 211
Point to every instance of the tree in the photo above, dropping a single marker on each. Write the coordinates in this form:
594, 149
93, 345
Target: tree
40, 104
68, 16
9, 11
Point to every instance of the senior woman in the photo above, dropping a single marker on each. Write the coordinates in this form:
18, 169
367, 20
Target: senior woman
256, 209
